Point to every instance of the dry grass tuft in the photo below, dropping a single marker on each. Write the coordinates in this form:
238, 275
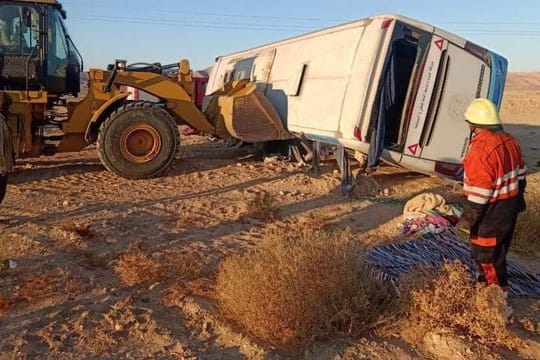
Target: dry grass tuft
263, 206
4, 252
95, 260
39, 288
192, 220
46, 285
315, 221
4, 304
201, 288
81, 229
184, 266
366, 188
447, 299
296, 287
527, 235
135, 268
71, 236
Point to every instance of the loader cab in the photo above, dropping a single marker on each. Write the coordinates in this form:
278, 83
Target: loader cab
36, 52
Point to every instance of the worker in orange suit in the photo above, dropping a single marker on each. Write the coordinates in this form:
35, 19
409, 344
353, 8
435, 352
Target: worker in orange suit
494, 183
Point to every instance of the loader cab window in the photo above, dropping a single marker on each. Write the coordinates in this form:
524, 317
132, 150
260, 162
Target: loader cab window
57, 54
63, 62
19, 29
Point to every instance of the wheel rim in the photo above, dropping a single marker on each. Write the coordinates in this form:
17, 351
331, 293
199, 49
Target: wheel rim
140, 143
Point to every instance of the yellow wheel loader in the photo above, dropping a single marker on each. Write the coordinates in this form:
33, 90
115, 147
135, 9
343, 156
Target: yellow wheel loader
40, 71
46, 111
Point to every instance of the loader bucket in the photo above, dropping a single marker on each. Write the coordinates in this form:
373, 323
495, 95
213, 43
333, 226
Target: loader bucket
246, 114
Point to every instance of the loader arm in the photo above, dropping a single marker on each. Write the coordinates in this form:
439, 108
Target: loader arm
176, 98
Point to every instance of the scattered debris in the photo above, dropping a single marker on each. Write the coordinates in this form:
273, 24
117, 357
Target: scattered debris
429, 212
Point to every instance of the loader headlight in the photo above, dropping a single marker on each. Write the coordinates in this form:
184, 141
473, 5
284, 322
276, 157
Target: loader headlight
121, 65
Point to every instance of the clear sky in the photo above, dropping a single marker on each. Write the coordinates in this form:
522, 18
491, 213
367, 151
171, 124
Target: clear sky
167, 30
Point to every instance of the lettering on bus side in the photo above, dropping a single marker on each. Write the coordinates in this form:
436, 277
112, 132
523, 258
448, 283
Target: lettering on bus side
464, 148
424, 94
480, 81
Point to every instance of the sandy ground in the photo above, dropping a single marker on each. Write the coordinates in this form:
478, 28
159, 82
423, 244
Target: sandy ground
71, 228
521, 112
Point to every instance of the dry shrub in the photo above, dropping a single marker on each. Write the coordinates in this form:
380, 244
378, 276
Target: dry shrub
527, 235
184, 266
53, 338
4, 304
97, 343
4, 252
296, 287
95, 260
201, 288
447, 299
48, 284
316, 221
81, 229
366, 188
135, 268
173, 294
263, 206
192, 220
38, 288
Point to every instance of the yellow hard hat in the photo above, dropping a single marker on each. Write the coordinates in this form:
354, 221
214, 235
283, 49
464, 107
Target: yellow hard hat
482, 112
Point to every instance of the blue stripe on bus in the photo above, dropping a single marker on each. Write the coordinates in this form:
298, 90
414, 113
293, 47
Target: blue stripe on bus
499, 68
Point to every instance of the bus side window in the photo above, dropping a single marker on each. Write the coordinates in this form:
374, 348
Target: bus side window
243, 69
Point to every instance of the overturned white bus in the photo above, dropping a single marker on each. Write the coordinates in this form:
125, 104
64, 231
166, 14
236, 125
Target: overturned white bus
387, 86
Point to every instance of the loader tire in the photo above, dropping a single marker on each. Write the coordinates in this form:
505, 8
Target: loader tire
138, 140
3, 186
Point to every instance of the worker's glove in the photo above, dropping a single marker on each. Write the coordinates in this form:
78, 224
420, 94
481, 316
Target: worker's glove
471, 215
463, 224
